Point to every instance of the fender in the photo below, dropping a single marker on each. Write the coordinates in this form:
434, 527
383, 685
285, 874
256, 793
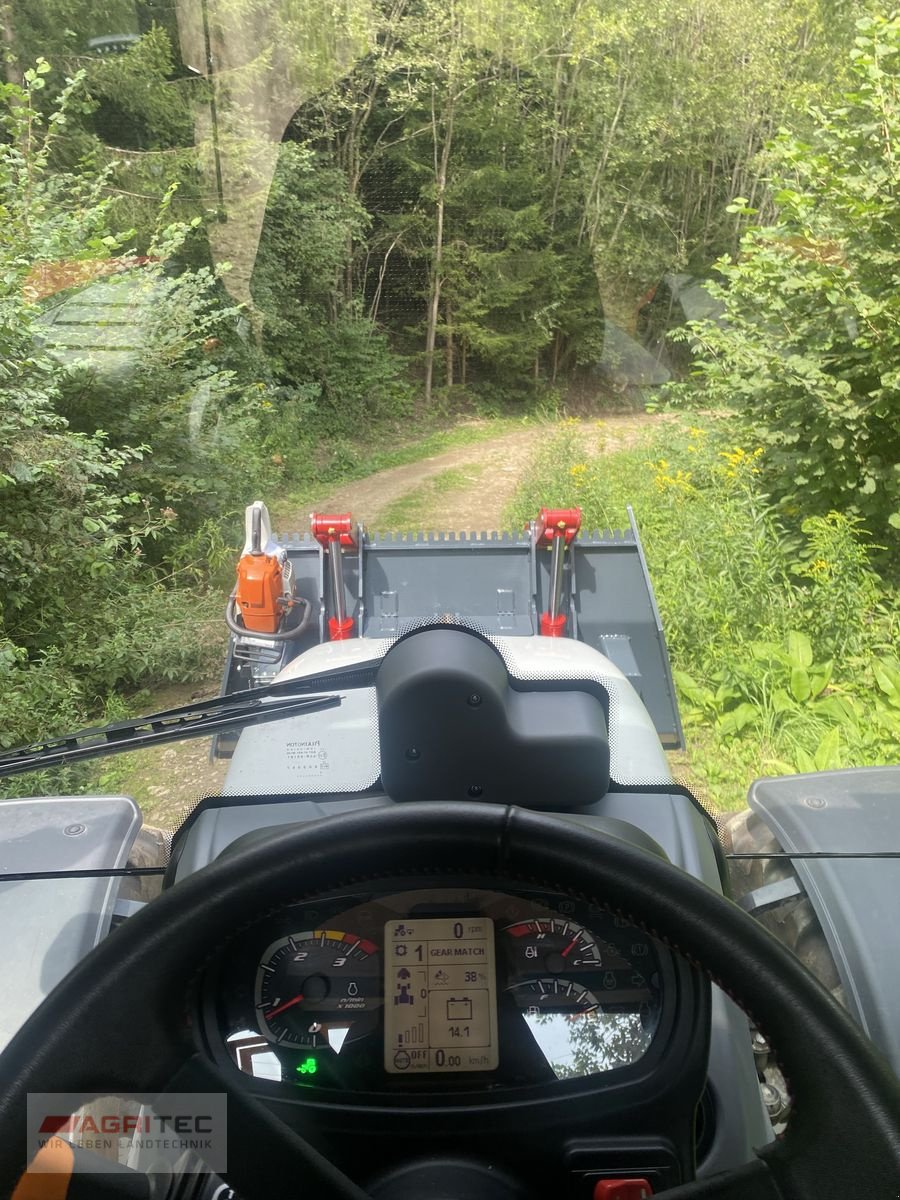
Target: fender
50, 925
854, 814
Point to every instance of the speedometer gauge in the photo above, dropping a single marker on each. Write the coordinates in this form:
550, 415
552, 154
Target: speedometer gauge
312, 987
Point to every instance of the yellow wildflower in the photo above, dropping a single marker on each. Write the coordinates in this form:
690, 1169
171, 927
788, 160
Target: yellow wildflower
679, 482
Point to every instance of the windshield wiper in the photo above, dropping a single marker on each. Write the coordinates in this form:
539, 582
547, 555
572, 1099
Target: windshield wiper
236, 710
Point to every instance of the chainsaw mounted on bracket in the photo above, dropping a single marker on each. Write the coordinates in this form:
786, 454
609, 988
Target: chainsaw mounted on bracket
263, 600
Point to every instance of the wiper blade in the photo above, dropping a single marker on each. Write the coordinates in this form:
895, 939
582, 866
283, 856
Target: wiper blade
252, 706
174, 725
788, 855
132, 872
83, 873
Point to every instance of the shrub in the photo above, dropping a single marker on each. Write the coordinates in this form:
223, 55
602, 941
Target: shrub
810, 345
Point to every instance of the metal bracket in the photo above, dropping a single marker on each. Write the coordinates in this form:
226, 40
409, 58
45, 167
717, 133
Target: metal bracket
771, 895
127, 908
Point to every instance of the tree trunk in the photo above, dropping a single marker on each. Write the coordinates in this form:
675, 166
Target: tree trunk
441, 161
13, 71
382, 271
592, 198
448, 347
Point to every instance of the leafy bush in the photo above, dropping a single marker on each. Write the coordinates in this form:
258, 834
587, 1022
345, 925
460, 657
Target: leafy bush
783, 648
810, 348
85, 503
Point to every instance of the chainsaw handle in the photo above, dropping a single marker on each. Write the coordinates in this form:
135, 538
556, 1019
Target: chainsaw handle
285, 635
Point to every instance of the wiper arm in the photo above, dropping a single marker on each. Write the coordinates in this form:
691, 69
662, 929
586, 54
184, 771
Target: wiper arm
250, 707
173, 726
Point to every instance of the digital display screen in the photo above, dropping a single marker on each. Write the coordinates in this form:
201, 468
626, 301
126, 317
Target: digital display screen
440, 995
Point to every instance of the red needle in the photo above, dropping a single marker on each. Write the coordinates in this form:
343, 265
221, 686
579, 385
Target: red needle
573, 942
282, 1007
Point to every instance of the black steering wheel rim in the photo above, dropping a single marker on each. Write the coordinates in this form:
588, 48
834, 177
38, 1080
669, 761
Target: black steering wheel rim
844, 1135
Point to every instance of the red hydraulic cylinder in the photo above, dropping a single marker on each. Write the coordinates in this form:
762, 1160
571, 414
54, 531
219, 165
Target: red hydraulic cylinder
332, 531
556, 527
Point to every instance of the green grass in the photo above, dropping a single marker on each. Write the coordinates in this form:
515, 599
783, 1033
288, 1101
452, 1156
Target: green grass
783, 640
412, 510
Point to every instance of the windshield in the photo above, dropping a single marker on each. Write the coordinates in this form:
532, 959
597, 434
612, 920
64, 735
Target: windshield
464, 400
438, 265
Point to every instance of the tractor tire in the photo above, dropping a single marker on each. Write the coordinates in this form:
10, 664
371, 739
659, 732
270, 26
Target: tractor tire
794, 921
151, 849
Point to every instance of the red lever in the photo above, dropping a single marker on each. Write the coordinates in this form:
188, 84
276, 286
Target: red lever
622, 1189
557, 522
553, 626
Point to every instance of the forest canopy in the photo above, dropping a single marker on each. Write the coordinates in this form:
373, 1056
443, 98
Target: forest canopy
477, 181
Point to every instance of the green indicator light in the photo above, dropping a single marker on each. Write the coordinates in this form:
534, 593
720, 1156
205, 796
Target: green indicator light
309, 1067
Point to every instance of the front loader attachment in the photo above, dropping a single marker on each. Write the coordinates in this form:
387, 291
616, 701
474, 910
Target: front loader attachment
552, 579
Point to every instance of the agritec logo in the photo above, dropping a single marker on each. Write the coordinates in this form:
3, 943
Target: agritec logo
187, 1127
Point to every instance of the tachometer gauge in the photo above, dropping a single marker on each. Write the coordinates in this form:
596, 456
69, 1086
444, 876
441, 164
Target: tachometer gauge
313, 987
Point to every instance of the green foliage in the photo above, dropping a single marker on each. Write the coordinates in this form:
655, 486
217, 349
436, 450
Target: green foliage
59, 517
192, 392
85, 502
334, 367
457, 177
142, 107
811, 341
784, 651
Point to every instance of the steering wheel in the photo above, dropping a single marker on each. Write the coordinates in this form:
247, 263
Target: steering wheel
121, 1020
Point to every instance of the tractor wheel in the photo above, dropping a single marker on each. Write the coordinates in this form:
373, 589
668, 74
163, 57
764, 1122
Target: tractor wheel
793, 921
151, 849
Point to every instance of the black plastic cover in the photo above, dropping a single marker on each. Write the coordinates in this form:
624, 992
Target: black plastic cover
442, 690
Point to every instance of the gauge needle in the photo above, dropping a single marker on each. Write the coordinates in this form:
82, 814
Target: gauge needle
282, 1007
573, 942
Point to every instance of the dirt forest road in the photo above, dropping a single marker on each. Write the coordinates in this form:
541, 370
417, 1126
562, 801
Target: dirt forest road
470, 487
464, 489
